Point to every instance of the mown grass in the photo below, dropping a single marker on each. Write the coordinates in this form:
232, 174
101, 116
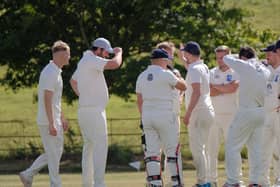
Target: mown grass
262, 14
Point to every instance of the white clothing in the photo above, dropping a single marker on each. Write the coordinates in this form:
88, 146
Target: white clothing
93, 98
224, 103
51, 80
198, 72
225, 106
202, 118
271, 127
92, 86
156, 85
247, 125
92, 122
53, 146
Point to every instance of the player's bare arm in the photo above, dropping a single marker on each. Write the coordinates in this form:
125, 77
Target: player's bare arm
139, 102
74, 86
193, 102
181, 84
227, 88
48, 95
64, 122
115, 62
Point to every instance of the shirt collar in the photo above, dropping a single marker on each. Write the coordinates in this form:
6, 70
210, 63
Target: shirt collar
196, 62
54, 66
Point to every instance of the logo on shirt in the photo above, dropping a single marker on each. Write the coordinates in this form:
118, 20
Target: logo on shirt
276, 78
269, 88
229, 78
150, 77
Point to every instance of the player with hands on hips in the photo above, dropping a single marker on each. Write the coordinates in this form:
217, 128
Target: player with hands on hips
154, 89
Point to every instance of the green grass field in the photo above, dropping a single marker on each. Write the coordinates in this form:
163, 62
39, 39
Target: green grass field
119, 179
262, 14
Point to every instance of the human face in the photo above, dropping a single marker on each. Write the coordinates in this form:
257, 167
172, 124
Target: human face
102, 53
62, 57
271, 58
219, 58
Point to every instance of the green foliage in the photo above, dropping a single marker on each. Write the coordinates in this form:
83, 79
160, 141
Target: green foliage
29, 28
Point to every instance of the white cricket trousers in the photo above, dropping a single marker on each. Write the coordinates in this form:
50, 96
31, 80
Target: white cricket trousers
218, 131
53, 147
93, 125
246, 128
270, 136
199, 128
160, 129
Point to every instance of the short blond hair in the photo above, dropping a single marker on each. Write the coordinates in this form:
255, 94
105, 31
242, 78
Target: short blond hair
166, 45
223, 48
59, 45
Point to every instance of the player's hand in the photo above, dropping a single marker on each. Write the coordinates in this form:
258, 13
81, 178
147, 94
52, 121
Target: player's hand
187, 118
65, 125
52, 130
118, 50
277, 109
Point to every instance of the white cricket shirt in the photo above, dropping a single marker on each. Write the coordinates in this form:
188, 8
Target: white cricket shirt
253, 76
272, 92
92, 86
198, 72
224, 103
156, 85
51, 80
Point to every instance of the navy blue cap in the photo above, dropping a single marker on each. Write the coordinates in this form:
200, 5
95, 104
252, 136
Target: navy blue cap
159, 53
277, 45
269, 48
192, 48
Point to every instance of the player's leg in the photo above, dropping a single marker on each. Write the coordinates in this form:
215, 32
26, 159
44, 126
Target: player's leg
53, 146
169, 136
238, 134
152, 155
214, 144
199, 129
268, 144
100, 145
255, 147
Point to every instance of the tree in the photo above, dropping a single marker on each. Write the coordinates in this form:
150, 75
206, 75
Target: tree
29, 27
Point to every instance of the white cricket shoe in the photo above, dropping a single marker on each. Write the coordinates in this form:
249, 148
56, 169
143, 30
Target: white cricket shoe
25, 179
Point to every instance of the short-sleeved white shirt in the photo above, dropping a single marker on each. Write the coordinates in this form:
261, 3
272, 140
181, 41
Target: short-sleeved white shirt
156, 85
91, 82
253, 76
176, 100
198, 72
224, 103
272, 92
51, 80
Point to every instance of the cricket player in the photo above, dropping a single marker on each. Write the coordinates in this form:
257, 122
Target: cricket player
224, 83
247, 125
271, 127
169, 47
199, 115
154, 89
89, 84
50, 119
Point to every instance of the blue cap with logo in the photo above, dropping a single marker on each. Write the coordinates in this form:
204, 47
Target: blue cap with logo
159, 53
192, 48
269, 48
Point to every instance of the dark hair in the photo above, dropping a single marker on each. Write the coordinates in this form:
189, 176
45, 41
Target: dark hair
94, 48
247, 52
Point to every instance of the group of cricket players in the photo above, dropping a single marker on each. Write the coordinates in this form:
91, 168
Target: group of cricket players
237, 100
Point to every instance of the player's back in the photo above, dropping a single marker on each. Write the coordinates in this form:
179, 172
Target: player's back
155, 88
253, 76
